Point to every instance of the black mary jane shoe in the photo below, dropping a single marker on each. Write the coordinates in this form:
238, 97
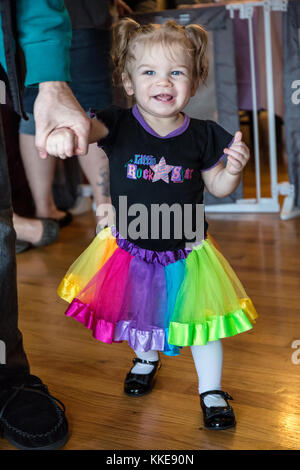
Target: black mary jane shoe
217, 417
137, 385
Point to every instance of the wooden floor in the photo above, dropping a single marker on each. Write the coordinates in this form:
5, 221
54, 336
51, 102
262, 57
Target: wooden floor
258, 368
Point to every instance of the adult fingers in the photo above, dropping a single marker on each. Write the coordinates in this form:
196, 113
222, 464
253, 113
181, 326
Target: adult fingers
70, 144
41, 141
82, 138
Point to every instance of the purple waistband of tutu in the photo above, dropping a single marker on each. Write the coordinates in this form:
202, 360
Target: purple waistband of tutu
162, 257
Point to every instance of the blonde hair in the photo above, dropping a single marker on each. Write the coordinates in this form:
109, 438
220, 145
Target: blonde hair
127, 33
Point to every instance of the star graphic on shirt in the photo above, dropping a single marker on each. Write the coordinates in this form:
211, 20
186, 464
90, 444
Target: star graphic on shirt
161, 170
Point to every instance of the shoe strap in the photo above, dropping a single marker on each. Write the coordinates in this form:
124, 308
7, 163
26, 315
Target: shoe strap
143, 361
225, 395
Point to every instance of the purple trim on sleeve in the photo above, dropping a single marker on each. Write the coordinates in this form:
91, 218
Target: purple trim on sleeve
217, 163
92, 113
180, 130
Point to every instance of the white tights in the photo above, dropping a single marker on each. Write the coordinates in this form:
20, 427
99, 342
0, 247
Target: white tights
208, 361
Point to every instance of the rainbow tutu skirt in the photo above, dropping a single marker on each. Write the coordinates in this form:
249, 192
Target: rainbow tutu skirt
160, 300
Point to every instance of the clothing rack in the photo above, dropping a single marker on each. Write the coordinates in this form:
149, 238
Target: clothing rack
261, 204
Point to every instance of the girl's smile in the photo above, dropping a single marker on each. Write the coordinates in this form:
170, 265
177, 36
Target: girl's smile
164, 98
161, 81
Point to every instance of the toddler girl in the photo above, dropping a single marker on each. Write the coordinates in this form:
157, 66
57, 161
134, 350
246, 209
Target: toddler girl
152, 278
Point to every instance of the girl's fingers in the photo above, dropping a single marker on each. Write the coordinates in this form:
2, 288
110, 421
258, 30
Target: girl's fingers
235, 165
236, 154
239, 146
69, 145
235, 161
82, 145
237, 137
61, 143
49, 146
53, 151
59, 148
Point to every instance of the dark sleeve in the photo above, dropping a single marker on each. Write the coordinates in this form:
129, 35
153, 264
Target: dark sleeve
217, 139
110, 118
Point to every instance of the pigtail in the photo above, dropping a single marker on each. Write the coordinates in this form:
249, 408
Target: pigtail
199, 39
126, 32
122, 32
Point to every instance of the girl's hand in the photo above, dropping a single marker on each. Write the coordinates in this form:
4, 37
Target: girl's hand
61, 143
237, 155
56, 107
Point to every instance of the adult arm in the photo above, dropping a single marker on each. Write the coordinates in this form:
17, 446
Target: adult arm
44, 33
44, 30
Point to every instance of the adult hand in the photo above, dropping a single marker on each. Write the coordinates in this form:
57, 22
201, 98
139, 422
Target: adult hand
62, 140
56, 107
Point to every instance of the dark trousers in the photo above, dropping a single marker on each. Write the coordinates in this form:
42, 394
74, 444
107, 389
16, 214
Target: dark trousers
13, 360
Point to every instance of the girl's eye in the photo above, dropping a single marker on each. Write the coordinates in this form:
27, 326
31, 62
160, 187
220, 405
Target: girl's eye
149, 72
176, 72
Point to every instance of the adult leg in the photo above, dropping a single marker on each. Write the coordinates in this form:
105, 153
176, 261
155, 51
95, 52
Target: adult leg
40, 176
34, 232
13, 360
29, 415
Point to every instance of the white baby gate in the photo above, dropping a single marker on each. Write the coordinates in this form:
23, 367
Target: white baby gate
262, 204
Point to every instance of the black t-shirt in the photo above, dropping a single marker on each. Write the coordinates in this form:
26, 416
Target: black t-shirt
159, 178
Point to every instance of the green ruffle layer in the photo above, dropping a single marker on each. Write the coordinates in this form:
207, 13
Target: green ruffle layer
184, 334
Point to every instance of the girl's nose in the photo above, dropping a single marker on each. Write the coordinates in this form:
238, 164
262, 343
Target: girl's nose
164, 80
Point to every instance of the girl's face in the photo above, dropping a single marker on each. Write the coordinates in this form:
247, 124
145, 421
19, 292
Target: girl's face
160, 79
